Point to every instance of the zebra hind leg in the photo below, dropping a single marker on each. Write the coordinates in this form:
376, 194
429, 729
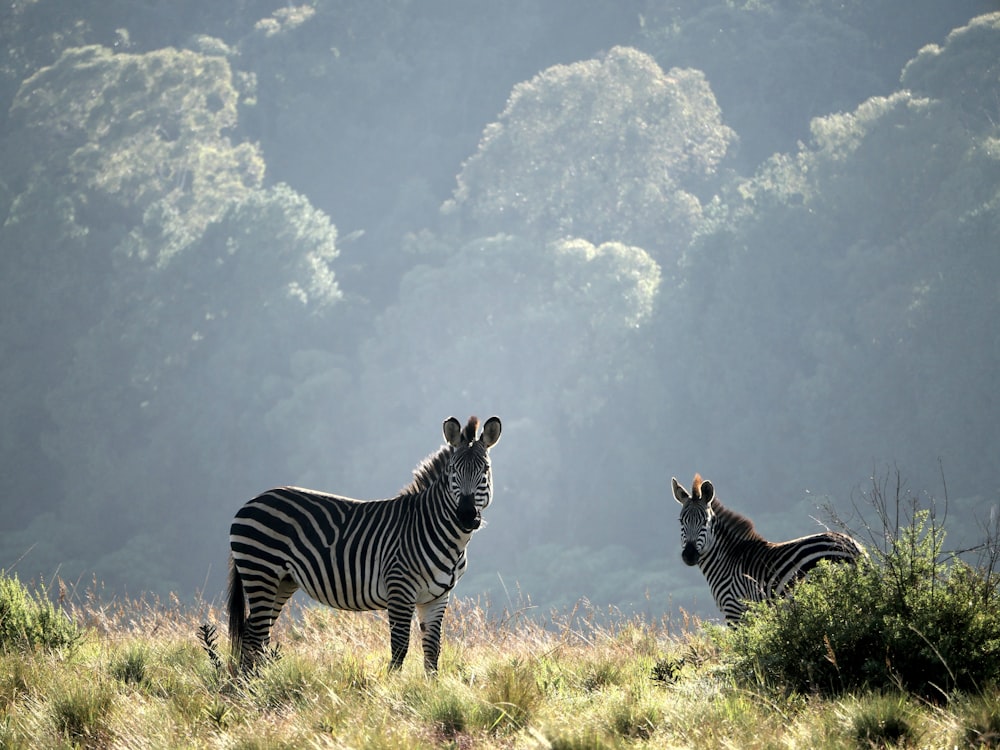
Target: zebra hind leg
430, 616
266, 603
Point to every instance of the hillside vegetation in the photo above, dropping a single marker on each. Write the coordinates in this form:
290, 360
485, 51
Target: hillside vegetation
255, 243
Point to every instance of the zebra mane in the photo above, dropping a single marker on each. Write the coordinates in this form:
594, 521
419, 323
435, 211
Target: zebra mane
428, 470
739, 525
469, 433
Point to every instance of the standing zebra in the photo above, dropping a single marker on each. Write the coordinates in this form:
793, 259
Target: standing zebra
740, 565
401, 554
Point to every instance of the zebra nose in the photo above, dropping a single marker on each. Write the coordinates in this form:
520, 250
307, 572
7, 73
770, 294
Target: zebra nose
690, 554
468, 514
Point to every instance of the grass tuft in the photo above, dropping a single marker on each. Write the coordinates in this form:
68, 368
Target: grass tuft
884, 721
980, 721
130, 667
511, 697
81, 712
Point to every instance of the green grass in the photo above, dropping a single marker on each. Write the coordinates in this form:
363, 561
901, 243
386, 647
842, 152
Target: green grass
138, 676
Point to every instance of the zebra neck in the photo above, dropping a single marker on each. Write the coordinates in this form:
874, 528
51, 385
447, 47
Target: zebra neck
732, 531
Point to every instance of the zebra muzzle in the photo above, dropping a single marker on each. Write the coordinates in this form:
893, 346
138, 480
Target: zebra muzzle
468, 513
690, 554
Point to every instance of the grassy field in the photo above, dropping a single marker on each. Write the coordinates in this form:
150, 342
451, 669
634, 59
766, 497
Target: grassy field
140, 677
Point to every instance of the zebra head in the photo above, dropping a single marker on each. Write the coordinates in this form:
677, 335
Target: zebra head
470, 482
697, 515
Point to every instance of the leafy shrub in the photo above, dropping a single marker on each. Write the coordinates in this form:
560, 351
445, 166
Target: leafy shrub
909, 617
29, 621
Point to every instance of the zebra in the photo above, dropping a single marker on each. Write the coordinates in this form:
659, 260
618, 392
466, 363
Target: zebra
739, 564
401, 554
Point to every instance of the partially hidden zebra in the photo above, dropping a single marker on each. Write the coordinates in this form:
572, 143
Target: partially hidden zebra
402, 554
739, 564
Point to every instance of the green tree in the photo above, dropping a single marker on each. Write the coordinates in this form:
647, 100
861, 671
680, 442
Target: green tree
611, 149
175, 274
845, 283
130, 134
99, 141
962, 72
167, 393
774, 64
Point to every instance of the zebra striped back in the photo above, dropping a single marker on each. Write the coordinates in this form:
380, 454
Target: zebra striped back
739, 564
403, 554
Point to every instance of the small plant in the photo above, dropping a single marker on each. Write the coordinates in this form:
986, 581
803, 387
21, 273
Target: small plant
633, 720
283, 682
666, 670
30, 620
130, 666
449, 712
218, 713
601, 674
209, 638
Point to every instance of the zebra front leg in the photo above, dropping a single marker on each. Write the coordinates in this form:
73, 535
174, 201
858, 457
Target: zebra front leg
429, 616
400, 616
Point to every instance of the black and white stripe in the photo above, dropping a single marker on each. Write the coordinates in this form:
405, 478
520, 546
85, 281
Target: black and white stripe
739, 564
403, 554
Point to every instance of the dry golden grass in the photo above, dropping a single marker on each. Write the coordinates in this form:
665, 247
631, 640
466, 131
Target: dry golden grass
140, 678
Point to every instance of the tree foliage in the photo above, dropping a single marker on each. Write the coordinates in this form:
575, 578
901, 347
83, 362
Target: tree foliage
607, 149
696, 235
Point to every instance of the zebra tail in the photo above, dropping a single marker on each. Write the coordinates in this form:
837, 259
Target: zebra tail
237, 611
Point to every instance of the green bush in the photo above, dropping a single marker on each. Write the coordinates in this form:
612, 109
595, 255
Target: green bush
908, 618
29, 621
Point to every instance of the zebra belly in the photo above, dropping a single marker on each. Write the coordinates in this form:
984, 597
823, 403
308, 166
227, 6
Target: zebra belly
343, 583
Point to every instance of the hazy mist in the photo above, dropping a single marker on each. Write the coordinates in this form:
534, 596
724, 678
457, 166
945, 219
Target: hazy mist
249, 244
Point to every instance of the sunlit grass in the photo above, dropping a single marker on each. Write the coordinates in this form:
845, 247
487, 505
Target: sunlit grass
140, 677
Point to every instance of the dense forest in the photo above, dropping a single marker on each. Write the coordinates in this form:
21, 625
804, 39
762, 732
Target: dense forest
251, 243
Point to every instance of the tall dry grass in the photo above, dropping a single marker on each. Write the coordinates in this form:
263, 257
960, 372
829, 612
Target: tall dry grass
139, 677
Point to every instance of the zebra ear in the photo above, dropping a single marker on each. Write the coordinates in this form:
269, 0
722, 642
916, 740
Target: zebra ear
491, 432
707, 491
452, 432
680, 494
